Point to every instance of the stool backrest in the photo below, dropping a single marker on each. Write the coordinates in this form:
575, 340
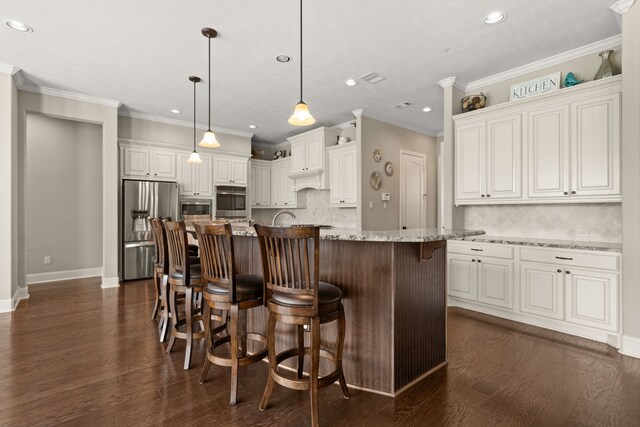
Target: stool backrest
178, 249
160, 238
286, 261
217, 256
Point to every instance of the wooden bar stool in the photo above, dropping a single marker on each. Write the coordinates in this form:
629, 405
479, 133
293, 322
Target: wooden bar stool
230, 292
295, 295
184, 278
161, 276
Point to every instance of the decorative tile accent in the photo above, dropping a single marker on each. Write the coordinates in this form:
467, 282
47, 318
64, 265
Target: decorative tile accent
559, 222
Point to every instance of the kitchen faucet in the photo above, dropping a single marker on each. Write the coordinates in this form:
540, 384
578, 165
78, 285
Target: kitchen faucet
273, 222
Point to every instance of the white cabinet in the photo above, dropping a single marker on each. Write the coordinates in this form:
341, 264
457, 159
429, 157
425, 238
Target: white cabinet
342, 175
463, 277
148, 163
480, 278
541, 290
260, 184
470, 161
591, 298
195, 179
308, 158
282, 194
230, 171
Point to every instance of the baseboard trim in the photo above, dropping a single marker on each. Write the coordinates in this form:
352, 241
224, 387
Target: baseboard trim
110, 282
6, 305
9, 305
630, 346
56, 276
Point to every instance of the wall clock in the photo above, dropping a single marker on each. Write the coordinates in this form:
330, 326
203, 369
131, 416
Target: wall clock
377, 155
388, 168
375, 180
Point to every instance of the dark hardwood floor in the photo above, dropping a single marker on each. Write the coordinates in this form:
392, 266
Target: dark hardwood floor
74, 354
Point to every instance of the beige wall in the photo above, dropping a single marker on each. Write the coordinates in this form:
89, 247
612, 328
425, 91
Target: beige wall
391, 139
631, 175
147, 130
63, 197
584, 67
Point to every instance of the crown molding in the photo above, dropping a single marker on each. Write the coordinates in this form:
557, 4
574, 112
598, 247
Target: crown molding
357, 113
622, 6
183, 123
440, 134
344, 125
546, 62
397, 124
8, 69
43, 90
448, 82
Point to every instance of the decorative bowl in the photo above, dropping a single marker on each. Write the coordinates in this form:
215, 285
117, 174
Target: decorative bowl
474, 102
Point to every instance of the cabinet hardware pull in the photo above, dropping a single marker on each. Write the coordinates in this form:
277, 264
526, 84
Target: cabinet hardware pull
566, 193
573, 192
482, 195
559, 271
565, 258
488, 195
479, 261
568, 272
473, 260
477, 250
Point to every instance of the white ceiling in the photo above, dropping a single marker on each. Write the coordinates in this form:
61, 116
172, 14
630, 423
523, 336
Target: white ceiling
141, 52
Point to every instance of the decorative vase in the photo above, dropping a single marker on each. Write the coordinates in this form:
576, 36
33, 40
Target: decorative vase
605, 68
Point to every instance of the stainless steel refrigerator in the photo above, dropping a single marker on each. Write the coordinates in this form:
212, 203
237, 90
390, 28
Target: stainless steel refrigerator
142, 200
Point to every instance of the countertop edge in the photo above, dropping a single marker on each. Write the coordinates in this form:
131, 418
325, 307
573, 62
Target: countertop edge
547, 243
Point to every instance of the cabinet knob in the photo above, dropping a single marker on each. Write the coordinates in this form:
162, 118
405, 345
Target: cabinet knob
473, 260
479, 261
155, 174
559, 271
568, 272
488, 195
147, 173
482, 195
566, 193
573, 192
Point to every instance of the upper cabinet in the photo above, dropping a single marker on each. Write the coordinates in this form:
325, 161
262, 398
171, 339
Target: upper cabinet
561, 147
271, 186
230, 171
260, 185
342, 174
148, 163
308, 158
195, 179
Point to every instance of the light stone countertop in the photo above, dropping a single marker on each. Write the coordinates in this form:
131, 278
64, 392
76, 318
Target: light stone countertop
547, 243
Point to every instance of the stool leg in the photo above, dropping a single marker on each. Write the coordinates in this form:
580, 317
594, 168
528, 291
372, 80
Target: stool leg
174, 319
300, 350
188, 318
271, 350
208, 343
234, 353
341, 334
165, 312
315, 365
156, 284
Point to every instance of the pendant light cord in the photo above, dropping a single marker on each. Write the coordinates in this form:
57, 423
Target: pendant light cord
301, 51
209, 83
194, 115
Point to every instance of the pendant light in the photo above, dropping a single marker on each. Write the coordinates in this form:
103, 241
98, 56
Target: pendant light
209, 139
301, 115
195, 157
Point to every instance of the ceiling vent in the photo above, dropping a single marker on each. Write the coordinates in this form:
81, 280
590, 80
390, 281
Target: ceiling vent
372, 78
404, 104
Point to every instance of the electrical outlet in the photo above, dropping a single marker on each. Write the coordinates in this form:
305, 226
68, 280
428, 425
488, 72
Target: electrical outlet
386, 196
370, 204
582, 233
47, 260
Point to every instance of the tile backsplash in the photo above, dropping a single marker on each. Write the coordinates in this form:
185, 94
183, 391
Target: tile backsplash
602, 221
316, 212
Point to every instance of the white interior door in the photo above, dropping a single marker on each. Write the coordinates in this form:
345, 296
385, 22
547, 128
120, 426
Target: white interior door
413, 190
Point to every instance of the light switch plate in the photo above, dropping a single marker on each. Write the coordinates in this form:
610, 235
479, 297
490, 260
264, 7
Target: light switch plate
386, 196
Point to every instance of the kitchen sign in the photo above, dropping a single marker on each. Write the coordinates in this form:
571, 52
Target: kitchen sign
534, 87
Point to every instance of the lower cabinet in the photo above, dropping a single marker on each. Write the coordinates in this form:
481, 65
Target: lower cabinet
484, 279
541, 290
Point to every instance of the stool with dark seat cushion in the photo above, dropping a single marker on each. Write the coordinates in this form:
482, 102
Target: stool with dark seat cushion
295, 295
230, 292
161, 277
184, 278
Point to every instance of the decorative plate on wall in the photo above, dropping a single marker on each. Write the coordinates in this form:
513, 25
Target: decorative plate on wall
388, 168
375, 180
377, 155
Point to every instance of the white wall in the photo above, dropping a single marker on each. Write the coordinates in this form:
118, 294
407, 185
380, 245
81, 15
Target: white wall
63, 197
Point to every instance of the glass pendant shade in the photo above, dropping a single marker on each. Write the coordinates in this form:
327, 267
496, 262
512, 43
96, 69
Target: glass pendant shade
209, 140
194, 158
301, 115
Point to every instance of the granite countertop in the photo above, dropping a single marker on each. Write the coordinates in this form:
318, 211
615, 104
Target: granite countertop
414, 235
547, 243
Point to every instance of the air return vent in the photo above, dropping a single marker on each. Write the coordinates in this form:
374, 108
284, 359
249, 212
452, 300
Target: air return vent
404, 104
372, 78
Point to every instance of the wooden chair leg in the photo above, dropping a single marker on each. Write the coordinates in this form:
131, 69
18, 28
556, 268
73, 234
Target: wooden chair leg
165, 312
156, 306
271, 346
300, 350
188, 319
315, 365
208, 343
174, 319
341, 335
234, 353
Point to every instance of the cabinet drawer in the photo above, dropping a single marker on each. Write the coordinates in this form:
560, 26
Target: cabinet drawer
480, 249
571, 258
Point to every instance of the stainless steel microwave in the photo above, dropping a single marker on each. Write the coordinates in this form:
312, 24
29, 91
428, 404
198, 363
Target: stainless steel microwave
189, 207
231, 202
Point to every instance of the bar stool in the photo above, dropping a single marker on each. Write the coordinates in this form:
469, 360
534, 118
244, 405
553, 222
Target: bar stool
184, 278
230, 292
295, 295
161, 276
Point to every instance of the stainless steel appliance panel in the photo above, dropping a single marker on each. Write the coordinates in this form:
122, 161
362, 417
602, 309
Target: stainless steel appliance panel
190, 207
138, 260
231, 202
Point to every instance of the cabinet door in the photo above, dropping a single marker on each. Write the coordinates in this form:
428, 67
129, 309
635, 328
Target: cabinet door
298, 155
595, 146
239, 172
541, 289
504, 158
548, 151
349, 168
495, 282
253, 185
163, 164
264, 185
470, 161
204, 175
592, 298
336, 173
136, 162
275, 187
282, 172
463, 277
187, 179
314, 153
222, 170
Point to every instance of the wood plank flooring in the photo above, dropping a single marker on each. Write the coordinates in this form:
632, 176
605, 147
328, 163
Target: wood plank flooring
75, 354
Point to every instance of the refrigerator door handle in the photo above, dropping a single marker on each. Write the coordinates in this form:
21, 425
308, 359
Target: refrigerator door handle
139, 244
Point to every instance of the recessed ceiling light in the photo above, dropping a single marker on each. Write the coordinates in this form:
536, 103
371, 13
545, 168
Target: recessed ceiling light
253, 127
426, 109
18, 26
283, 58
495, 17
351, 82
174, 111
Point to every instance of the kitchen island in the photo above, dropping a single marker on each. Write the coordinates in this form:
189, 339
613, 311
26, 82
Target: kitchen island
394, 295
